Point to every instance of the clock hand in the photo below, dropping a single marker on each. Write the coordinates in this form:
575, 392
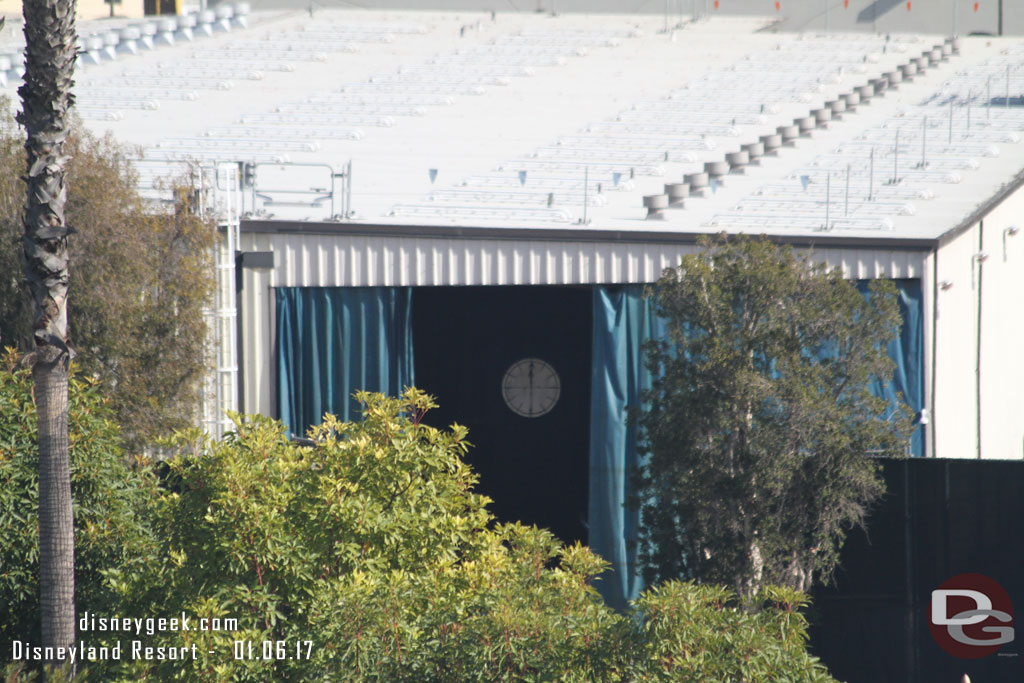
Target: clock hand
531, 386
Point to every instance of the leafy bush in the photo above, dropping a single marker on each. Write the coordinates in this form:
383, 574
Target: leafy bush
689, 632
367, 556
364, 557
110, 498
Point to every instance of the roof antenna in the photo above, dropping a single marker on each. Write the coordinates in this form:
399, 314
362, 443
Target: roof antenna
828, 197
586, 181
871, 174
924, 144
896, 160
846, 202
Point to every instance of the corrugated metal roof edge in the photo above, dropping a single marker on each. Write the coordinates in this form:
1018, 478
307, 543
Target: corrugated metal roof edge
570, 234
985, 207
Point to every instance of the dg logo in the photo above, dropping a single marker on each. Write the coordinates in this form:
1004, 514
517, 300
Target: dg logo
970, 616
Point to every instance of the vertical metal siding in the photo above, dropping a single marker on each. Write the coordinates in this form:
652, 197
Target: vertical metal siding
361, 261
317, 260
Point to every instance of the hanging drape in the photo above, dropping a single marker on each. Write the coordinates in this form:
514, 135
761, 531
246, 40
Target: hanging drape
334, 341
623, 321
907, 352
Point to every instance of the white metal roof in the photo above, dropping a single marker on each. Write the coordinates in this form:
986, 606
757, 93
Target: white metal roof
610, 98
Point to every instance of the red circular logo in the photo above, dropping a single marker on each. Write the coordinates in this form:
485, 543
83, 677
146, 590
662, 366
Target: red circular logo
970, 616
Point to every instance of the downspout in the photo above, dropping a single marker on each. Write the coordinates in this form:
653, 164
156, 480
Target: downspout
933, 424
977, 361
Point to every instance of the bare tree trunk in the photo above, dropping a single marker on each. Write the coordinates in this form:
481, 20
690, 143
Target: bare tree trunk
50, 53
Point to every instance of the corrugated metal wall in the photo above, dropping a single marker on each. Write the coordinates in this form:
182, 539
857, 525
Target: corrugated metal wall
339, 260
323, 260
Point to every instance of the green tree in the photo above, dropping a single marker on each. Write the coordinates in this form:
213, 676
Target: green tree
142, 276
761, 420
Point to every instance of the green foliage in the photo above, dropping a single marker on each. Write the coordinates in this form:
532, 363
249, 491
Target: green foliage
761, 418
690, 632
110, 499
139, 282
368, 557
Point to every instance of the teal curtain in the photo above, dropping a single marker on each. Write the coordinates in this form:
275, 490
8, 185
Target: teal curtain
907, 352
623, 321
334, 341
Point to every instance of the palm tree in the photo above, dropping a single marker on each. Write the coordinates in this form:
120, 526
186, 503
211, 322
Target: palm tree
50, 51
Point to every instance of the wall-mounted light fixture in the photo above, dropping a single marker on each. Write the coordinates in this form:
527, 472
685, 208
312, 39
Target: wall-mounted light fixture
945, 285
978, 258
1008, 232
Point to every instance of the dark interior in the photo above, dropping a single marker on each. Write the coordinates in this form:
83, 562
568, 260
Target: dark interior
465, 338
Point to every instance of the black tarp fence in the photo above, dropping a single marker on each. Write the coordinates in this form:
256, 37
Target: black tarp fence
940, 518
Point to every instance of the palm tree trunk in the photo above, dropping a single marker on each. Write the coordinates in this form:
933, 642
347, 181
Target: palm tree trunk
56, 526
46, 99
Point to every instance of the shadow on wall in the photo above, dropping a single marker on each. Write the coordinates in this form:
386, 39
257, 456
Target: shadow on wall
877, 9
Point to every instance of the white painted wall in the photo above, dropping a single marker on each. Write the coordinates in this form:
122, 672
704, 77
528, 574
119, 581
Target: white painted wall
1001, 380
953, 412
1002, 333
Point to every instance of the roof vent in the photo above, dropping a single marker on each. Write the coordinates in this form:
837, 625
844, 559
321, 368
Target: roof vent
772, 142
716, 169
677, 194
837, 107
788, 134
737, 160
656, 205
698, 183
754, 150
805, 124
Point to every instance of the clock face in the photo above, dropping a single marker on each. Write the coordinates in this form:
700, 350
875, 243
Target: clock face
531, 387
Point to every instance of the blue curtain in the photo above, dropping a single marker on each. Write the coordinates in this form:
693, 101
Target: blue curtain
907, 352
623, 321
333, 341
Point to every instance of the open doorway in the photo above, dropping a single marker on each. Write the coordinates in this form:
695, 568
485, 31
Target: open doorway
530, 428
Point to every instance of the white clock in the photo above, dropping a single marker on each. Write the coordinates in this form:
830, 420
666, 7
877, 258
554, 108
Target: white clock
531, 387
